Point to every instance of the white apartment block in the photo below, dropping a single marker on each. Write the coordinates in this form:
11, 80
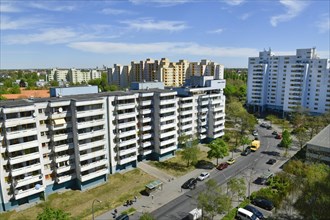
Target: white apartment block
73, 75
76, 141
282, 83
120, 75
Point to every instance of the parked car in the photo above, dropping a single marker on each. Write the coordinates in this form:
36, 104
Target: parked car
231, 161
263, 203
271, 161
278, 136
255, 133
123, 217
254, 211
203, 176
222, 166
204, 164
262, 180
246, 152
275, 153
274, 133
263, 125
189, 184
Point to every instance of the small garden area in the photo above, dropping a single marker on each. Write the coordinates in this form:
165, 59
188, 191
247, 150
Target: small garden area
118, 189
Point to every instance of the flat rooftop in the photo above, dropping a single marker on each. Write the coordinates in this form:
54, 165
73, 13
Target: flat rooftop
322, 139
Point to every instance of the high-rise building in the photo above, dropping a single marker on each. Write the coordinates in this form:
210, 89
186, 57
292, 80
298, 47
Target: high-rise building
73, 75
283, 83
76, 141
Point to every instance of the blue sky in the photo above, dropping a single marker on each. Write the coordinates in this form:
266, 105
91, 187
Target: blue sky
91, 33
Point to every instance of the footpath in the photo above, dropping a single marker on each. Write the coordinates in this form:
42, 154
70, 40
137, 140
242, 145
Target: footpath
172, 188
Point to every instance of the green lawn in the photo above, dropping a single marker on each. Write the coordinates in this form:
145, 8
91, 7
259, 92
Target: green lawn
115, 192
176, 166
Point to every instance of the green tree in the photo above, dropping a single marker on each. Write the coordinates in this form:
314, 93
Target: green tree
245, 140
54, 83
286, 141
212, 200
147, 216
237, 187
190, 154
15, 90
302, 136
218, 149
53, 214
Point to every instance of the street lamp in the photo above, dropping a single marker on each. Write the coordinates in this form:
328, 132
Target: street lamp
95, 200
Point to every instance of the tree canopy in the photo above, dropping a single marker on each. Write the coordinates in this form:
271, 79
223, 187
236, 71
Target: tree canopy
218, 149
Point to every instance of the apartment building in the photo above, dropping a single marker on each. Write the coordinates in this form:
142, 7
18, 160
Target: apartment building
76, 141
73, 75
171, 73
282, 83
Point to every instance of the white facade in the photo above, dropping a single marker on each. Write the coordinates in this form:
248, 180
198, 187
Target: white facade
282, 83
76, 141
73, 75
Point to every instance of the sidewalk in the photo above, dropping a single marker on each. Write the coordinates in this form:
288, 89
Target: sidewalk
171, 190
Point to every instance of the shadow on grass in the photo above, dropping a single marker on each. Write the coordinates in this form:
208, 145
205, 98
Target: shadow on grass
169, 165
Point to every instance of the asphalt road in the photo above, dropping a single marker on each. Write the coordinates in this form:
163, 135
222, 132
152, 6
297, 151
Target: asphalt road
179, 208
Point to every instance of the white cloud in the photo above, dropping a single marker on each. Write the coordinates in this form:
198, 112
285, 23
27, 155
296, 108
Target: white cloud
112, 11
293, 9
217, 31
52, 7
324, 23
8, 24
150, 24
8, 8
48, 36
163, 48
245, 16
234, 2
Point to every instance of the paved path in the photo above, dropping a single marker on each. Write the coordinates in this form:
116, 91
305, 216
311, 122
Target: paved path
154, 171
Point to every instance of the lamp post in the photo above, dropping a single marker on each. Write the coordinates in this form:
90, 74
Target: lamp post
95, 200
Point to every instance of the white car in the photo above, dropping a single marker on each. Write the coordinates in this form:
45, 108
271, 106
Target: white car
255, 133
203, 176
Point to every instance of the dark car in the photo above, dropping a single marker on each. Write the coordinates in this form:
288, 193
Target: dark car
269, 127
123, 217
204, 164
222, 166
278, 136
271, 161
274, 133
189, 184
263, 203
254, 211
246, 152
275, 153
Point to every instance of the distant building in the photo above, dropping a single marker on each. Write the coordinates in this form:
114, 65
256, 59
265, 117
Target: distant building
41, 83
318, 149
64, 76
283, 83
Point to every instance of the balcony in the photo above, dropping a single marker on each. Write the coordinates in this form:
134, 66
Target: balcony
145, 152
216, 101
27, 169
167, 101
63, 147
219, 115
127, 151
182, 120
219, 122
23, 158
186, 112
91, 112
146, 136
168, 149
167, 118
94, 174
146, 119
125, 106
145, 103
128, 142
145, 111
25, 193
184, 127
220, 128
63, 158
126, 124
146, 144
62, 179
167, 110
21, 133
217, 135
126, 133
126, 115
18, 121
92, 155
27, 180
91, 145
203, 102
22, 146
60, 137
170, 141
58, 115
63, 169
167, 134
92, 123
186, 105
146, 128
93, 165
91, 134
89, 102
127, 160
